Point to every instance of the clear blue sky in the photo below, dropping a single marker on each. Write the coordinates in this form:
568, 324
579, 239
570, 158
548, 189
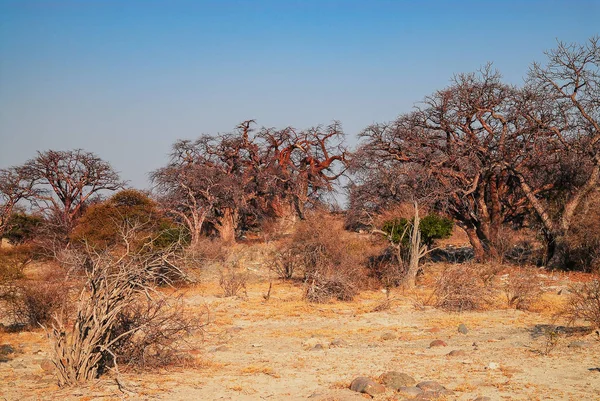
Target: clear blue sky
125, 79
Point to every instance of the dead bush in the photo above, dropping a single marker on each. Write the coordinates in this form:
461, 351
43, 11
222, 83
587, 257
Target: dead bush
232, 281
109, 318
284, 263
321, 289
522, 289
151, 333
584, 303
35, 302
330, 259
461, 287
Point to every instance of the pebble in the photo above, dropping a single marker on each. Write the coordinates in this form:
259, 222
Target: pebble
457, 352
431, 385
437, 343
493, 366
462, 328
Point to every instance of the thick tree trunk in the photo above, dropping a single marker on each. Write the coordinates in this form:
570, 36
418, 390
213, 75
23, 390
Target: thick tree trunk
227, 224
478, 248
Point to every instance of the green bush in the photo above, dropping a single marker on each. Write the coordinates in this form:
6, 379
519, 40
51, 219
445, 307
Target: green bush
432, 226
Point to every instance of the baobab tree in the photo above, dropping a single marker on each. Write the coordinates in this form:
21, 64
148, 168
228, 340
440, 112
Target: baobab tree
451, 148
557, 157
13, 189
64, 181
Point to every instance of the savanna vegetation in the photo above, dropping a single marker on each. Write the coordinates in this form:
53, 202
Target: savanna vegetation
480, 179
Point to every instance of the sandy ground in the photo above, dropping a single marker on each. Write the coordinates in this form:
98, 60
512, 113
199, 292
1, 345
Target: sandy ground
265, 350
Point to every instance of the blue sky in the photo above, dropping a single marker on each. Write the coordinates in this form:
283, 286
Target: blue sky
125, 79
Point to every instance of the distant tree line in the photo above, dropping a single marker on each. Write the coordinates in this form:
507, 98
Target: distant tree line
487, 154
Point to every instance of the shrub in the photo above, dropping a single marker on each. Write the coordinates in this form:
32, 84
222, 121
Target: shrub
12, 262
460, 287
584, 303
110, 320
22, 228
151, 332
432, 227
329, 258
522, 289
232, 281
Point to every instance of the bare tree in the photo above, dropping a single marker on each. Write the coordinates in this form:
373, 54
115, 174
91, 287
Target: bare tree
451, 149
66, 180
13, 189
234, 180
558, 165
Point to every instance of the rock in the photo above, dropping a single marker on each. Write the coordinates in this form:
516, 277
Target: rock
579, 344
388, 336
317, 347
437, 343
457, 352
433, 330
47, 365
396, 380
462, 329
366, 386
481, 398
338, 342
493, 366
409, 392
6, 349
431, 385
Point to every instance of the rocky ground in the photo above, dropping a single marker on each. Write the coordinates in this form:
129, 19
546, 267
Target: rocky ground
287, 349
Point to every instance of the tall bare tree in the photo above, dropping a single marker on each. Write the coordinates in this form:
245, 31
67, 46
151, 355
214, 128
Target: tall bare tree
66, 180
558, 165
13, 189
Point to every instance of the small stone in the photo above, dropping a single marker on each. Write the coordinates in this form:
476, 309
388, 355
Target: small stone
457, 352
409, 392
431, 385
437, 343
579, 344
481, 398
339, 342
396, 380
47, 365
388, 336
462, 328
6, 349
317, 347
433, 330
366, 386
493, 366
311, 343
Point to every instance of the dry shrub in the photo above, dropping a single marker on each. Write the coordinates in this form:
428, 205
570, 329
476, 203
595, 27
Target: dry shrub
584, 303
207, 250
461, 287
151, 333
329, 258
110, 319
12, 262
522, 289
232, 281
284, 263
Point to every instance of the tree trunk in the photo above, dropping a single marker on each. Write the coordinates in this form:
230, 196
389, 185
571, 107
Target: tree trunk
478, 248
227, 224
415, 252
